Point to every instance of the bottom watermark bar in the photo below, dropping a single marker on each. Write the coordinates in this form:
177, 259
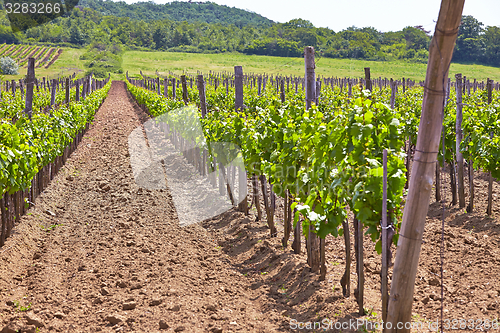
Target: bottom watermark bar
371, 325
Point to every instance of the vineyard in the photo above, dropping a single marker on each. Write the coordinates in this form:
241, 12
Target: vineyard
44, 56
330, 157
240, 202
325, 165
39, 129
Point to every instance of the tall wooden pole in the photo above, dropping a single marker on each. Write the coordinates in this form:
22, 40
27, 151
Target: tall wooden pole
489, 86
310, 76
458, 136
30, 79
201, 89
242, 175
184, 89
417, 203
313, 250
385, 264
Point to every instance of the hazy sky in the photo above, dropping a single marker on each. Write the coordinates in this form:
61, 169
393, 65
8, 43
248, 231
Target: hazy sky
384, 15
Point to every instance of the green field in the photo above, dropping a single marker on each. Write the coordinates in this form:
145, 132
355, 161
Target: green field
163, 62
178, 63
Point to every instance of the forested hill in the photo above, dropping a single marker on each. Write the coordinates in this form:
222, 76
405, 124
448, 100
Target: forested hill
208, 12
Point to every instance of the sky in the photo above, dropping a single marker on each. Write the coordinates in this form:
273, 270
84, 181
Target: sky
383, 15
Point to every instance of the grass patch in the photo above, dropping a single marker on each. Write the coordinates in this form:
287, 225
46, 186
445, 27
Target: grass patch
21, 308
163, 62
50, 228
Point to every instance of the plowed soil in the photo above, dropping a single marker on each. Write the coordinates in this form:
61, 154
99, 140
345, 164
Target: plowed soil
99, 253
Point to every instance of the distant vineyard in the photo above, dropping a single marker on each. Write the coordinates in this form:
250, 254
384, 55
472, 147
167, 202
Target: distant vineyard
44, 56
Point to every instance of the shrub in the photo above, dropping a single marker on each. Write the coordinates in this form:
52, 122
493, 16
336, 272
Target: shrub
9, 66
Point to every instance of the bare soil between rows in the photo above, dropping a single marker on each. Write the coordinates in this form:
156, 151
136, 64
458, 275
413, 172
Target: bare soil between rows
98, 253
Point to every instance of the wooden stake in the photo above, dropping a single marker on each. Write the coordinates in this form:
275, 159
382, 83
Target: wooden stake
345, 282
201, 89
270, 218
458, 136
53, 92
358, 234
489, 208
30, 79
438, 182
385, 264
453, 182
310, 76
470, 207
288, 219
313, 254
238, 88
367, 79
184, 89
322, 243
256, 197
296, 245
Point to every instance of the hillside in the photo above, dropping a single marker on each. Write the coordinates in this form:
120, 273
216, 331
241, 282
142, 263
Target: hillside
208, 12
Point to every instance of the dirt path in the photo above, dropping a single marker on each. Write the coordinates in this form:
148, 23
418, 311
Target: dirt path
113, 257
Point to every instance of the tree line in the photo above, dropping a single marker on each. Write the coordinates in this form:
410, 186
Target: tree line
85, 26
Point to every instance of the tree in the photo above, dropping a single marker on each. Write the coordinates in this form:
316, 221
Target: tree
76, 36
9, 66
300, 23
491, 40
469, 45
415, 38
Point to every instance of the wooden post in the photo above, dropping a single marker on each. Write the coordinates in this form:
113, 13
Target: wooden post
238, 105
438, 181
67, 90
287, 219
201, 89
393, 93
322, 244
385, 247
312, 239
359, 265
222, 189
165, 88
30, 78
489, 208
3, 213
458, 135
53, 92
84, 88
417, 202
184, 89
470, 207
345, 282
173, 88
267, 206
77, 95
310, 76
296, 245
238, 88
367, 79
256, 197
282, 91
